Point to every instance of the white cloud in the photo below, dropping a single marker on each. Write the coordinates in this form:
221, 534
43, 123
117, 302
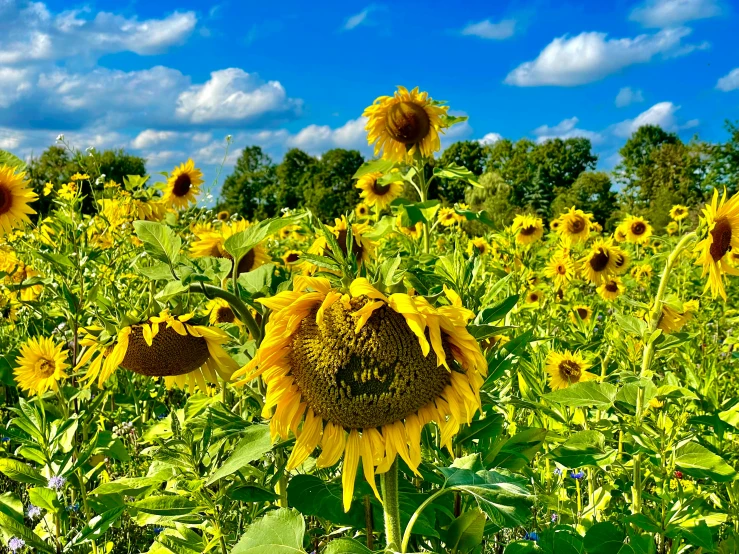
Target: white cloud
232, 95
30, 32
589, 57
672, 13
627, 96
361, 18
151, 137
489, 30
567, 128
730, 81
662, 114
490, 138
165, 157
315, 139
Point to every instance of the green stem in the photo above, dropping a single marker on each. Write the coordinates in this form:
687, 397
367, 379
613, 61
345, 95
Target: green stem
236, 304
391, 507
416, 515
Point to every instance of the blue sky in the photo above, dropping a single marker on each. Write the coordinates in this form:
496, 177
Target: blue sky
170, 80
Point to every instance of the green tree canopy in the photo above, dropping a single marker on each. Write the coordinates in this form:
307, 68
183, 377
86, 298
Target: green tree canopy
250, 189
592, 193
293, 174
469, 154
331, 191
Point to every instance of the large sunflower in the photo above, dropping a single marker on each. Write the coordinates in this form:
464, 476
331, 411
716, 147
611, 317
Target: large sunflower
567, 368
527, 228
405, 123
40, 365
183, 185
721, 223
362, 247
377, 194
15, 195
574, 226
638, 230
672, 319
364, 372
600, 262
185, 354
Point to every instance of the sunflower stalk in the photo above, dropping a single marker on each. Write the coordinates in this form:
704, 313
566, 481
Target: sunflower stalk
391, 508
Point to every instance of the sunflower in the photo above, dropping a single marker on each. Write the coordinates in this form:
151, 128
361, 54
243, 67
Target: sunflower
364, 373
404, 124
185, 354
621, 260
528, 229
219, 311
40, 365
478, 245
560, 269
672, 228
619, 235
15, 195
679, 212
183, 185
611, 288
414, 231
567, 368
638, 230
642, 273
223, 215
581, 312
362, 210
362, 248
721, 223
378, 194
555, 224
291, 257
574, 226
461, 207
671, 320
211, 242
596, 227
447, 217
9, 307
533, 297
600, 262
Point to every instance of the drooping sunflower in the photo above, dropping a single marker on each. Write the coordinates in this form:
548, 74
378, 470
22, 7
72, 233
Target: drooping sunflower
219, 311
567, 368
362, 210
478, 245
619, 235
638, 230
41, 365
415, 231
574, 226
185, 354
611, 288
364, 373
642, 273
596, 227
561, 269
183, 185
527, 228
600, 262
378, 194
362, 247
447, 217
672, 319
721, 224
15, 197
672, 228
679, 212
405, 123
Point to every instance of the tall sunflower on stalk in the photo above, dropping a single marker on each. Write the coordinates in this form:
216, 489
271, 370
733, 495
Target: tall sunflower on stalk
561, 269
600, 262
15, 197
637, 229
719, 229
183, 185
358, 374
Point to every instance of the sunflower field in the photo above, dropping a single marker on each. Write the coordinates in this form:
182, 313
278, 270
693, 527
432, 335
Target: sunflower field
410, 377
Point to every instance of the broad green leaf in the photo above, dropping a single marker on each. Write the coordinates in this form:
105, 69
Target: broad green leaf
522, 547
254, 443
95, 528
9, 527
160, 241
238, 245
699, 462
591, 394
132, 486
604, 538
465, 532
7, 158
457, 172
380, 166
166, 505
346, 546
629, 392
313, 496
21, 472
497, 312
278, 532
561, 539
418, 212
45, 499
252, 493
11, 506
585, 448
517, 451
258, 280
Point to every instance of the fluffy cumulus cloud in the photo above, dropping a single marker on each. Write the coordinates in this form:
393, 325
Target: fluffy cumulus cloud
672, 13
627, 96
315, 139
662, 114
490, 138
589, 57
730, 81
567, 128
489, 30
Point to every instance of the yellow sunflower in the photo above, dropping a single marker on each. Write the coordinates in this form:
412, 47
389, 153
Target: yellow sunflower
581, 312
638, 230
671, 320
223, 215
672, 228
219, 311
596, 227
527, 228
41, 365
720, 222
183, 185
534, 297
447, 217
15, 195
642, 273
621, 260
364, 373
574, 226
291, 257
377, 194
679, 212
186, 355
211, 242
555, 224
600, 262
611, 288
560, 269
619, 235
405, 123
414, 232
478, 245
9, 307
362, 247
567, 368
362, 210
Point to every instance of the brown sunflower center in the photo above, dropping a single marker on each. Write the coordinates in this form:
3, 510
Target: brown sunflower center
533, 297
576, 225
366, 379
169, 354
562, 269
612, 286
582, 313
246, 263
379, 189
638, 228
292, 257
45, 368
528, 230
721, 239
570, 370
357, 248
407, 122
223, 216
181, 185
224, 314
6, 200
619, 260
599, 260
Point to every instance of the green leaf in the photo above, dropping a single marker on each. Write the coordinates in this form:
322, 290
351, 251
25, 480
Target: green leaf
23, 473
313, 496
95, 528
11, 528
169, 505
419, 212
252, 493
631, 325
521, 547
255, 443
497, 312
11, 506
279, 532
7, 158
591, 394
699, 462
160, 271
585, 448
517, 451
465, 532
381, 166
604, 538
160, 241
132, 486
346, 546
561, 539
457, 172
238, 245
258, 280
44, 498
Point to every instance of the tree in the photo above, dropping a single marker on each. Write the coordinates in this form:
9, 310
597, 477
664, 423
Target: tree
293, 173
494, 196
723, 161
592, 193
330, 192
469, 154
249, 190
